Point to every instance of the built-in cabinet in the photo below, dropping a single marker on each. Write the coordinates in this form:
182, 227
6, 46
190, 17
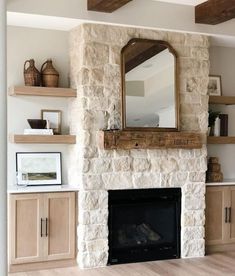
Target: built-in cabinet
220, 218
42, 227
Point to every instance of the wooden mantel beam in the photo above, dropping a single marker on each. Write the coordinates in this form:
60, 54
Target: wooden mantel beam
105, 5
215, 11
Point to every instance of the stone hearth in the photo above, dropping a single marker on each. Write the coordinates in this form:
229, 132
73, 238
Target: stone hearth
95, 73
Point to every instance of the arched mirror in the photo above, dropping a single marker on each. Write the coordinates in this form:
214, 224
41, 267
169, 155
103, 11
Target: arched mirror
149, 82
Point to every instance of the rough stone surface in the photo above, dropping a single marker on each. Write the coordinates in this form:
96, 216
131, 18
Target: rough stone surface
95, 73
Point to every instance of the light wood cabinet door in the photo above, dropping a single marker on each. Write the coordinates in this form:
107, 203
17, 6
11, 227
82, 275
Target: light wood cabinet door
59, 211
217, 199
231, 237
25, 220
41, 227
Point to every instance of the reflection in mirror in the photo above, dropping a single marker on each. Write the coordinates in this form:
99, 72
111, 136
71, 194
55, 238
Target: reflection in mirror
149, 91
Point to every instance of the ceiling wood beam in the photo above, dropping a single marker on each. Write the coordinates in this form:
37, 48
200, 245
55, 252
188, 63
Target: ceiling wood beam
213, 12
132, 61
105, 5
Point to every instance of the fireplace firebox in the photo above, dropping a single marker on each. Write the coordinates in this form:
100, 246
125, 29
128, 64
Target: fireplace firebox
144, 225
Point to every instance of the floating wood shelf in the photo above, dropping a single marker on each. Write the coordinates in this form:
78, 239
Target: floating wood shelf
229, 100
118, 139
42, 91
43, 139
221, 140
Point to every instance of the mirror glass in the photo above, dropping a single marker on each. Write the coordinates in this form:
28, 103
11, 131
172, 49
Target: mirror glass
149, 85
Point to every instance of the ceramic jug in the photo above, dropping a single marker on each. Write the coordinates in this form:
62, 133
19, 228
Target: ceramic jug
32, 76
50, 77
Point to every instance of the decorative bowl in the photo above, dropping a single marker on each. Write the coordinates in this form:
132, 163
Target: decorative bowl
37, 123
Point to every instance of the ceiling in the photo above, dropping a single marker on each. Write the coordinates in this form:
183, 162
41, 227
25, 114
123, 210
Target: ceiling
148, 14
183, 2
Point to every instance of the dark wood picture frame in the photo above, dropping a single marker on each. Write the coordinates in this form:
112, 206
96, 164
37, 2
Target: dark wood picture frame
218, 80
123, 71
57, 129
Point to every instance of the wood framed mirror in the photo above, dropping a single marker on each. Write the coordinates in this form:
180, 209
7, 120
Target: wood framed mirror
150, 98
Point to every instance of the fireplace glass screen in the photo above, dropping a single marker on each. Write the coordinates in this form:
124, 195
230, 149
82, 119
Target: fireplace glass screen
144, 225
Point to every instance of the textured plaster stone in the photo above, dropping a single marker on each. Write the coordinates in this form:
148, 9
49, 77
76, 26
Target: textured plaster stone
146, 180
95, 54
93, 232
98, 216
122, 164
115, 181
94, 199
95, 73
92, 182
193, 248
193, 218
93, 259
141, 164
100, 165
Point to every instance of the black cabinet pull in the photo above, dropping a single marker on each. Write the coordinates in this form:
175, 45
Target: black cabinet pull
229, 214
46, 227
226, 215
41, 227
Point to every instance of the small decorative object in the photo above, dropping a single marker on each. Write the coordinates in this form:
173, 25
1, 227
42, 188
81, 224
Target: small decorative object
211, 121
50, 77
215, 86
34, 168
217, 127
214, 173
37, 123
223, 124
54, 119
35, 131
32, 76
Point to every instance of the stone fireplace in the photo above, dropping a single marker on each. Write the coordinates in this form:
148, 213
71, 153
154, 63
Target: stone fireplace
95, 73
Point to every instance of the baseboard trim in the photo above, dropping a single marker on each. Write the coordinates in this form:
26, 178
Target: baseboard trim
41, 265
219, 248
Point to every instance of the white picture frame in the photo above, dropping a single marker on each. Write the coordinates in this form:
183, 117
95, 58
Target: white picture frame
38, 168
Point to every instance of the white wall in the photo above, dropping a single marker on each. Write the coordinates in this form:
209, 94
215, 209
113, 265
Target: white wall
222, 61
22, 44
3, 167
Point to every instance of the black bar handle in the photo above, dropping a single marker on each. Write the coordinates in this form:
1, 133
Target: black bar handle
226, 215
230, 215
46, 227
41, 227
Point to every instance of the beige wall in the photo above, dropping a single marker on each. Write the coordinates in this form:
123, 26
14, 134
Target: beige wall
22, 44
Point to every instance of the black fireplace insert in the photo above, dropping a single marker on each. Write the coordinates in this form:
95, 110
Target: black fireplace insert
144, 225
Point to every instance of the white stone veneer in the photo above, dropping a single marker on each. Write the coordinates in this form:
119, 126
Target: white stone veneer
95, 73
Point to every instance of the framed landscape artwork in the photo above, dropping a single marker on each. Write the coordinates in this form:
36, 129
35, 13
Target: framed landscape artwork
34, 168
215, 86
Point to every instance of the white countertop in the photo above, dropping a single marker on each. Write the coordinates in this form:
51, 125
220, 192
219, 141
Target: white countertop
41, 189
225, 182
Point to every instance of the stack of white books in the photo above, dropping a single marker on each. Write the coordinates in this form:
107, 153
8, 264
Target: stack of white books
45, 131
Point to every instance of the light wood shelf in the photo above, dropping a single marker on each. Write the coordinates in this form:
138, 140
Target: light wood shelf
229, 100
42, 91
43, 139
221, 140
